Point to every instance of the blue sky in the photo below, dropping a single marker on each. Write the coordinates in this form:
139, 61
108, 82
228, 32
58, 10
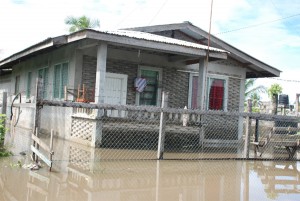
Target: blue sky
269, 39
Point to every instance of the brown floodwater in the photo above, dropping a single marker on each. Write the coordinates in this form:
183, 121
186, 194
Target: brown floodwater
82, 173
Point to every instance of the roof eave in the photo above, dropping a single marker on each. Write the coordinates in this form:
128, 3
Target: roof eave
110, 38
48, 43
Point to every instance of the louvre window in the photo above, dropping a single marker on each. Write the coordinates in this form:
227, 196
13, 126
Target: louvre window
60, 79
149, 95
44, 74
28, 90
17, 84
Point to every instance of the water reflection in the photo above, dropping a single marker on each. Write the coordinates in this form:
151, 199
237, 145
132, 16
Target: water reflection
82, 173
278, 177
152, 180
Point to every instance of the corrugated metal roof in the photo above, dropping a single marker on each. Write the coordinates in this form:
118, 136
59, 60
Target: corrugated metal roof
157, 38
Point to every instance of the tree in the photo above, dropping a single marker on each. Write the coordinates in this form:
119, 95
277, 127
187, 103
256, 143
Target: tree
250, 90
274, 89
252, 93
80, 23
273, 92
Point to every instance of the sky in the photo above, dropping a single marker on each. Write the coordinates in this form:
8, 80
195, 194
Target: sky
268, 30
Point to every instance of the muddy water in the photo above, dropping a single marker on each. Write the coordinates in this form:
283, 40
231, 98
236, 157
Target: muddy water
82, 173
151, 180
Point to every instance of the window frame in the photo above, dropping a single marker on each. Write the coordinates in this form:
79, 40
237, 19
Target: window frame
17, 84
159, 88
29, 84
60, 87
190, 95
209, 76
45, 85
225, 96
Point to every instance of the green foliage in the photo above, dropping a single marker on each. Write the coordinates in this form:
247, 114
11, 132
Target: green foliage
3, 152
79, 23
274, 89
2, 129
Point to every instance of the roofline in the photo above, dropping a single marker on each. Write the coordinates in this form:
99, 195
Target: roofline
111, 38
221, 43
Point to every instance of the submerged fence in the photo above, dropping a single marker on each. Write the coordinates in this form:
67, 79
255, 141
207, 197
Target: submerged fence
147, 132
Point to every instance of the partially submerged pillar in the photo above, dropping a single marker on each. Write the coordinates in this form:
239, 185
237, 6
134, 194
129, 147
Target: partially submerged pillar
99, 92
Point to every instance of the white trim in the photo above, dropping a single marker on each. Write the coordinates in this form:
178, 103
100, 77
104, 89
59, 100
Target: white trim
159, 89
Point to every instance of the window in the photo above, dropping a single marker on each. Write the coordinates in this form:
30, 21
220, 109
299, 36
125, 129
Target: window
28, 90
60, 79
17, 84
193, 91
216, 98
151, 93
44, 74
216, 93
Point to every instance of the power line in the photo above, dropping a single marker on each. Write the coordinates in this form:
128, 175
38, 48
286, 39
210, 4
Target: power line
161, 7
260, 24
285, 80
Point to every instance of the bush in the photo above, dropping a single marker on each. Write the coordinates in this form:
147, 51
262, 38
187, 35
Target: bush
2, 129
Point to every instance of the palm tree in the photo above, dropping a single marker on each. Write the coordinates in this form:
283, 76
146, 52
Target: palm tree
252, 92
80, 23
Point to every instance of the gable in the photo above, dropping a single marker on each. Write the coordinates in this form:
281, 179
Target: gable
188, 32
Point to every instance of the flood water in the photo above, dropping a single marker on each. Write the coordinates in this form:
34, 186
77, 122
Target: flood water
78, 176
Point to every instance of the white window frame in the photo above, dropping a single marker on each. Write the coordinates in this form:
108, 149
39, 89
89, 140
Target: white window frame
222, 77
209, 76
159, 89
194, 74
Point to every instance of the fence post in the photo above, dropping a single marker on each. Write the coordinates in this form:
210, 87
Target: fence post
36, 123
4, 103
248, 131
162, 126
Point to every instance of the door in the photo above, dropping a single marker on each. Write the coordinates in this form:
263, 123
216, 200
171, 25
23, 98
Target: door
151, 95
115, 91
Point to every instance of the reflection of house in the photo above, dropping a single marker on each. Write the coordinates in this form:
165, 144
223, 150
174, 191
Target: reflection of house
278, 178
107, 63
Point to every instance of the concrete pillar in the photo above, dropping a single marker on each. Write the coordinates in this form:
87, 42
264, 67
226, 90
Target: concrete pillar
99, 93
100, 73
78, 61
202, 79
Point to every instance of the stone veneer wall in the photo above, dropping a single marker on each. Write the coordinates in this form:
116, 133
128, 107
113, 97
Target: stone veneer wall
175, 82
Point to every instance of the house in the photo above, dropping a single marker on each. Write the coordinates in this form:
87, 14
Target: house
170, 57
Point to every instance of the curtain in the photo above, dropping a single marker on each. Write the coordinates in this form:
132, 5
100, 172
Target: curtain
216, 94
